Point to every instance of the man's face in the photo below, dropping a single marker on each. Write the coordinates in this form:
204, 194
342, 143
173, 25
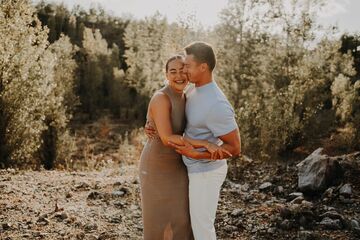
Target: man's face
192, 68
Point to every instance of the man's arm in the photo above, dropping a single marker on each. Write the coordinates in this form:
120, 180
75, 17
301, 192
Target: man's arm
189, 151
232, 142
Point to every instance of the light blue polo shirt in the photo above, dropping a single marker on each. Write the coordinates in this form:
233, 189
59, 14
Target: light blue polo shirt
209, 115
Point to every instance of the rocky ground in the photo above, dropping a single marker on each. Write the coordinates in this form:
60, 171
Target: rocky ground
104, 204
261, 200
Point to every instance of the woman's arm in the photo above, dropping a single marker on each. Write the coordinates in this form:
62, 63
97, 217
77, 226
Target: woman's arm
160, 112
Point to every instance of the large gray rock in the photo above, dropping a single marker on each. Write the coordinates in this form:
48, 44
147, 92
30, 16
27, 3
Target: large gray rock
346, 190
317, 171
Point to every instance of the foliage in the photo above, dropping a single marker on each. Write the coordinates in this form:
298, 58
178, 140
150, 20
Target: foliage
31, 89
278, 82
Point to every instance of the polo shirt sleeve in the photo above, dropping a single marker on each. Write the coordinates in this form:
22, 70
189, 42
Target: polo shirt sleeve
221, 119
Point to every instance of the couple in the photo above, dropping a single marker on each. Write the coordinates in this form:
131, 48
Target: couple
183, 163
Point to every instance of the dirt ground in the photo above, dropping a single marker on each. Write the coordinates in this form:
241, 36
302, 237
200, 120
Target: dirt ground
104, 204
101, 199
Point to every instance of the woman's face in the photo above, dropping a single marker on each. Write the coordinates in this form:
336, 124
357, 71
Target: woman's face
177, 79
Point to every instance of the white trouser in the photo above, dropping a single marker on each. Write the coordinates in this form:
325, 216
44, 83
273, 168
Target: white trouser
204, 191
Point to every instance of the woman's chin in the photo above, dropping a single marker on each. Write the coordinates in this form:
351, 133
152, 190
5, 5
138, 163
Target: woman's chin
179, 87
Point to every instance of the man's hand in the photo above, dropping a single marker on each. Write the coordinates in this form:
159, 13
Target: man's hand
150, 131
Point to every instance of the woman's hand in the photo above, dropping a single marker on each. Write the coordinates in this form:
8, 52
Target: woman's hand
186, 149
216, 151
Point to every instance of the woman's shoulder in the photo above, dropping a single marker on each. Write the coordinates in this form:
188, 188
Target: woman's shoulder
159, 98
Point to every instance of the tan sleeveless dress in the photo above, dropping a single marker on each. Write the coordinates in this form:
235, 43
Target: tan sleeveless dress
164, 182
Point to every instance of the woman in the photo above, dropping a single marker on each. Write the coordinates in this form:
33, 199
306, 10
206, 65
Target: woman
163, 176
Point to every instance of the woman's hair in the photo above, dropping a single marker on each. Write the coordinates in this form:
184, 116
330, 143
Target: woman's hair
178, 56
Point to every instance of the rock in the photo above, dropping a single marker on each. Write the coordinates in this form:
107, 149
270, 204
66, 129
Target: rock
26, 235
285, 212
317, 171
106, 235
248, 197
307, 204
119, 204
42, 220
328, 194
332, 215
80, 235
237, 212
91, 237
89, 227
265, 185
118, 193
345, 200
119, 183
95, 195
294, 195
5, 226
133, 207
303, 221
330, 224
306, 235
280, 189
116, 219
346, 190
82, 186
286, 224
230, 228
354, 224
135, 181
61, 216
271, 230
245, 187
297, 200
68, 195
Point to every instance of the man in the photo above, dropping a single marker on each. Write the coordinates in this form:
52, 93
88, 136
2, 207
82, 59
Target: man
209, 117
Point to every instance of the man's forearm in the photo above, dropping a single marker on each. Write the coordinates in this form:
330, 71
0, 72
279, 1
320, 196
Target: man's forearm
234, 150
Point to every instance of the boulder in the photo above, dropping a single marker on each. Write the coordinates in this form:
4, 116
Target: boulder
317, 172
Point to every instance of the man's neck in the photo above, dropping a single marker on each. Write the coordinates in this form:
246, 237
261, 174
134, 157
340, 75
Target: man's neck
205, 80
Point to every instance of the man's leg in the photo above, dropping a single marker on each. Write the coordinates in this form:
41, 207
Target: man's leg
204, 190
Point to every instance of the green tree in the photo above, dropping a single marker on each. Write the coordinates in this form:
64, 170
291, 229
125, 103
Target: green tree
144, 41
278, 81
35, 88
57, 141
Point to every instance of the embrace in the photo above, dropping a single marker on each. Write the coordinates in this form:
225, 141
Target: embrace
192, 131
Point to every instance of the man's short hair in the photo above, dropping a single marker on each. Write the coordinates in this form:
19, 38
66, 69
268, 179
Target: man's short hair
202, 52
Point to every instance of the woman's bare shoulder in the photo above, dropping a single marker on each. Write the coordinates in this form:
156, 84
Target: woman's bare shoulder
159, 99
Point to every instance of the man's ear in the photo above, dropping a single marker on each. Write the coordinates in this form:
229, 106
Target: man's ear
203, 67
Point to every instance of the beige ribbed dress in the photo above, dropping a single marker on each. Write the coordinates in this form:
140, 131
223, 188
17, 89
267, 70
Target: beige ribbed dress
164, 182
